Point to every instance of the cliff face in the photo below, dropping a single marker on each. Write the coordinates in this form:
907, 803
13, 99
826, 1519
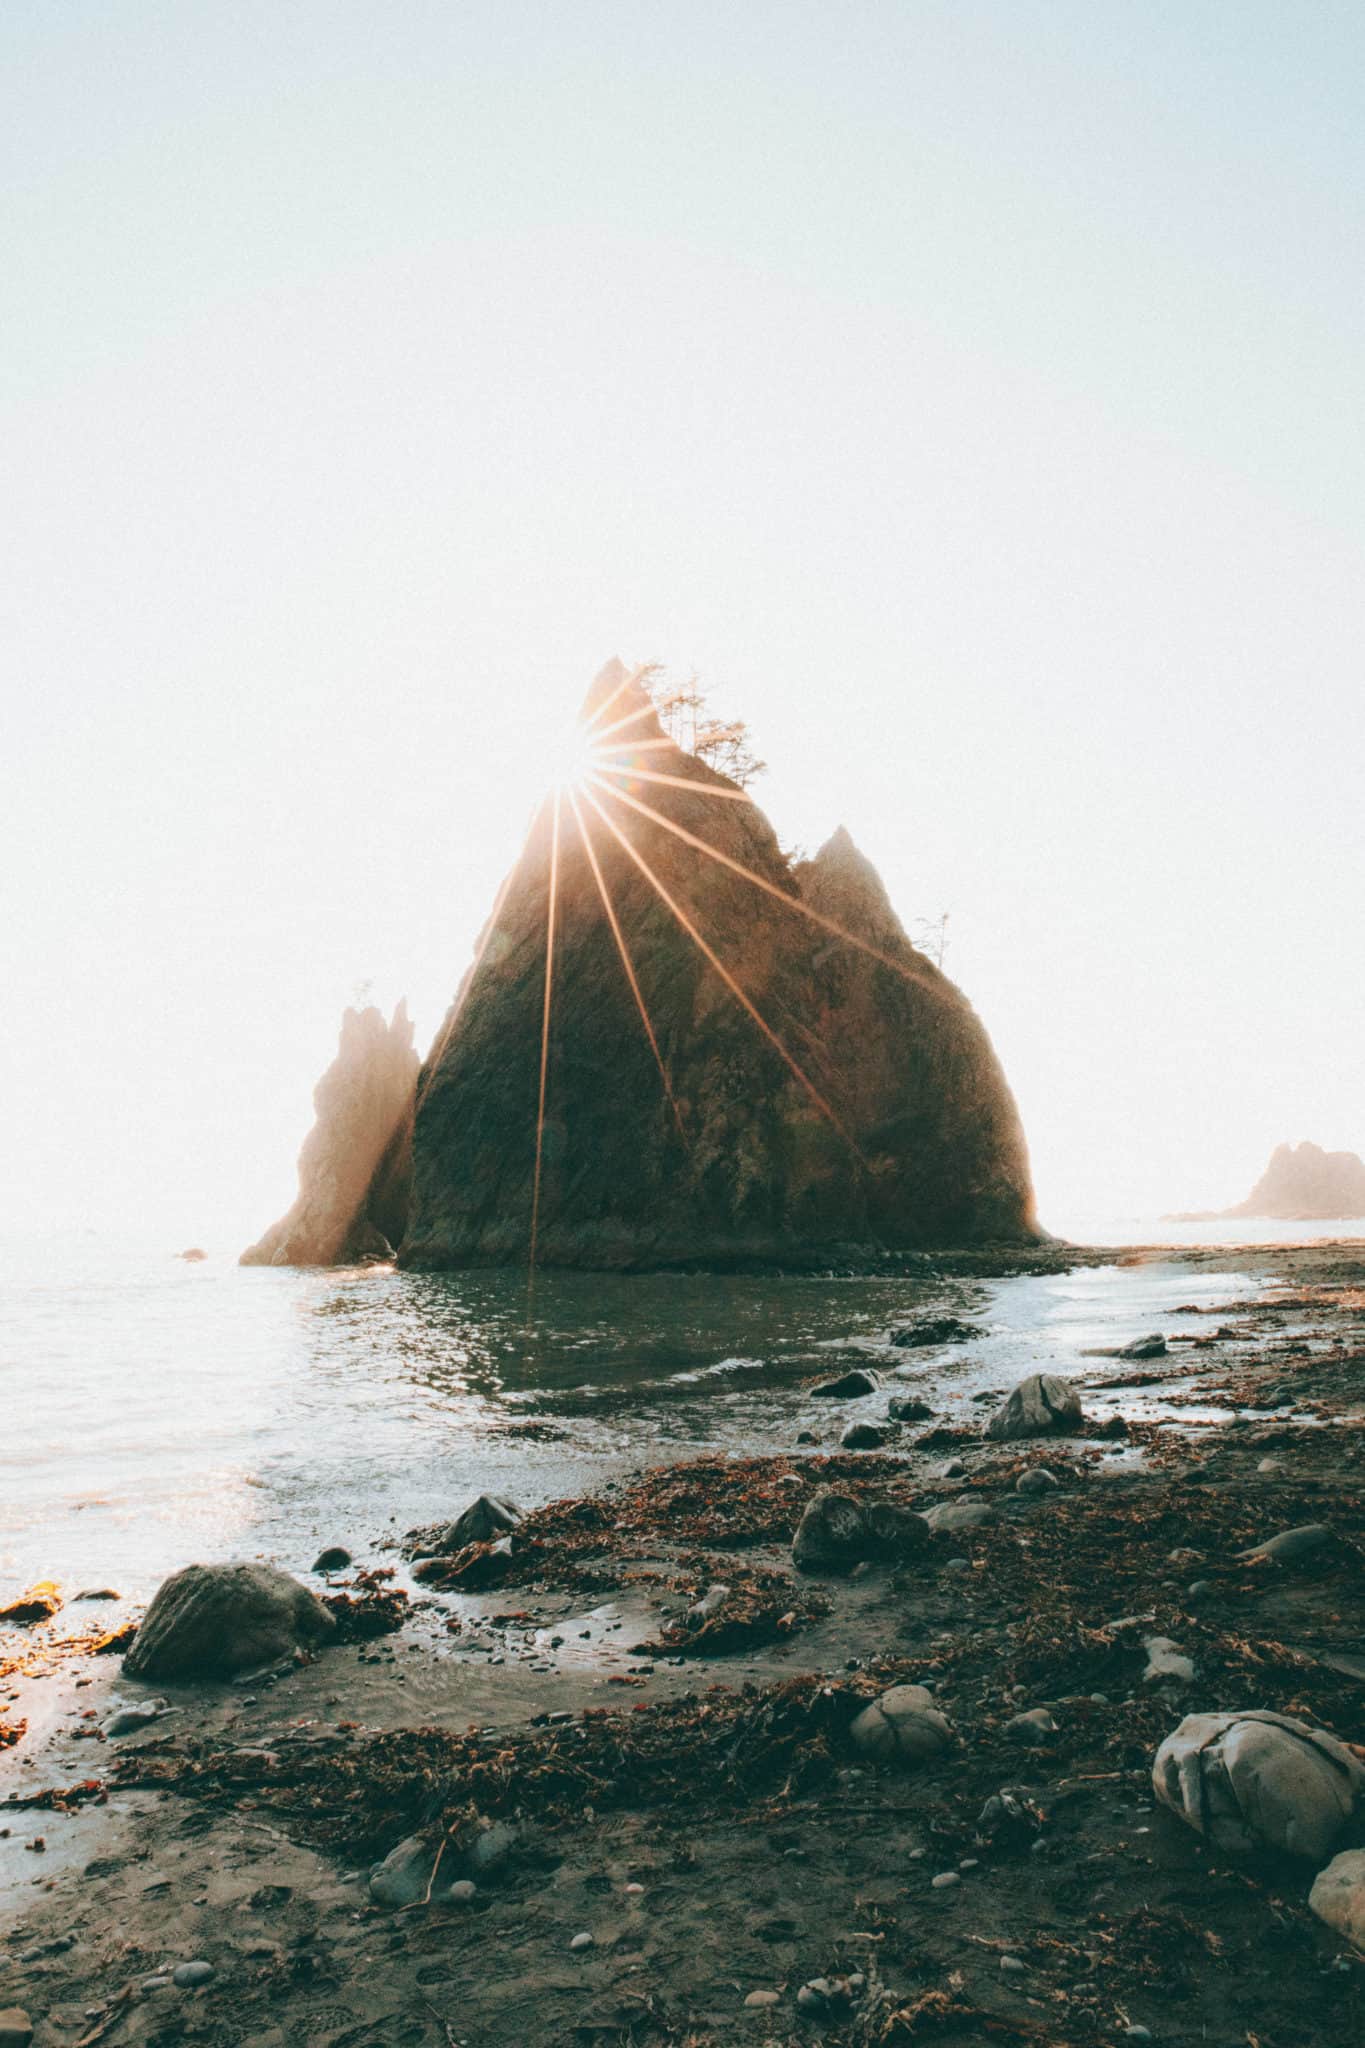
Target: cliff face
355, 1168
1302, 1182
898, 1130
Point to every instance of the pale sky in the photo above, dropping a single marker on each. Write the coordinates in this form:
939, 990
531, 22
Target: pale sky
970, 393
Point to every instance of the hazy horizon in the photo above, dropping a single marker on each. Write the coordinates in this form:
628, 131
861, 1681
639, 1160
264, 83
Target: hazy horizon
969, 398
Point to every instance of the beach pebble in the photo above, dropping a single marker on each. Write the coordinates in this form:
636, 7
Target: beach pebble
188, 1975
151, 1984
903, 1726
1144, 1347
463, 1892
634, 1891
1290, 1545
957, 1564
1338, 1895
1167, 1664
582, 1941
128, 1720
1034, 1727
1136, 2034
333, 1560
1036, 1480
16, 2028
1184, 1555
908, 1408
1252, 1781
1013, 1966
762, 2001
944, 1880
1040, 1405
1269, 1465
952, 1468
97, 1593
713, 1598
1199, 1589
789, 1479
951, 1515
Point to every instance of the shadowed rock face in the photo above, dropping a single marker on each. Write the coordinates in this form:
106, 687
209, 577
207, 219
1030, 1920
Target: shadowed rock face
913, 1141
356, 1164
1304, 1182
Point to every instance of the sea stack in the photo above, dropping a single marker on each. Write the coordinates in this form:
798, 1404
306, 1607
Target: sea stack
1304, 1183
747, 1062
356, 1164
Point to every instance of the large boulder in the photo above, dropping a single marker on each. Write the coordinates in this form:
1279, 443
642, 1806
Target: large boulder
1041, 1405
832, 1535
1338, 1895
904, 1726
214, 1620
485, 1520
808, 1087
1259, 1781
837, 1532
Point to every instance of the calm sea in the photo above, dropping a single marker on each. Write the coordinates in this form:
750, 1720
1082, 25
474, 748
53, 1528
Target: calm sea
155, 1412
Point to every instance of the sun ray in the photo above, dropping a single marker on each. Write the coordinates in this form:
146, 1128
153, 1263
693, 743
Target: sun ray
731, 796
438, 1051
906, 972
627, 962
596, 737
726, 976
544, 1060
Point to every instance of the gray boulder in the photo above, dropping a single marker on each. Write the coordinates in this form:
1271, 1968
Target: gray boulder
1144, 1347
1036, 1480
908, 1408
1256, 1781
850, 1386
832, 1535
903, 1726
863, 1436
483, 1521
951, 1515
1041, 1405
837, 1532
1338, 1895
214, 1620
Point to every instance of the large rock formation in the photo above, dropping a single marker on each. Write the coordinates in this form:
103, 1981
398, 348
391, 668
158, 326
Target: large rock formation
355, 1169
829, 1092
1302, 1182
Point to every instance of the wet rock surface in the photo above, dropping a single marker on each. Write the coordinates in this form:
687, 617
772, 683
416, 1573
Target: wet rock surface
1042, 1405
212, 1621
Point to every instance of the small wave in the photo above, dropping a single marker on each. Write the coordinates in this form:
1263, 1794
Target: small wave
710, 1372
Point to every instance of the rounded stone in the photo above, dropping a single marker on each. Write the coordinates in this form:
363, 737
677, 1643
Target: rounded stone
903, 1726
188, 1975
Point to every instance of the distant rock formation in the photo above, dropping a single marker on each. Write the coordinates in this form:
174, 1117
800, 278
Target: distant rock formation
845, 1101
1305, 1184
355, 1168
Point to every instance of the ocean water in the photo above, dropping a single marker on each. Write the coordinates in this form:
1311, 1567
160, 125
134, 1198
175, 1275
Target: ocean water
154, 1412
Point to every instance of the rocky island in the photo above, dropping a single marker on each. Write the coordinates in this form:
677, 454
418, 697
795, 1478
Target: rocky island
1302, 1182
746, 1061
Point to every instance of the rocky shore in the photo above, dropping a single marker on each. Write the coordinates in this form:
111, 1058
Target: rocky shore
847, 1744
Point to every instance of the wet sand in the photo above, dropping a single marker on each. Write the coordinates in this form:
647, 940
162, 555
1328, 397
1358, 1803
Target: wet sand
702, 1815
